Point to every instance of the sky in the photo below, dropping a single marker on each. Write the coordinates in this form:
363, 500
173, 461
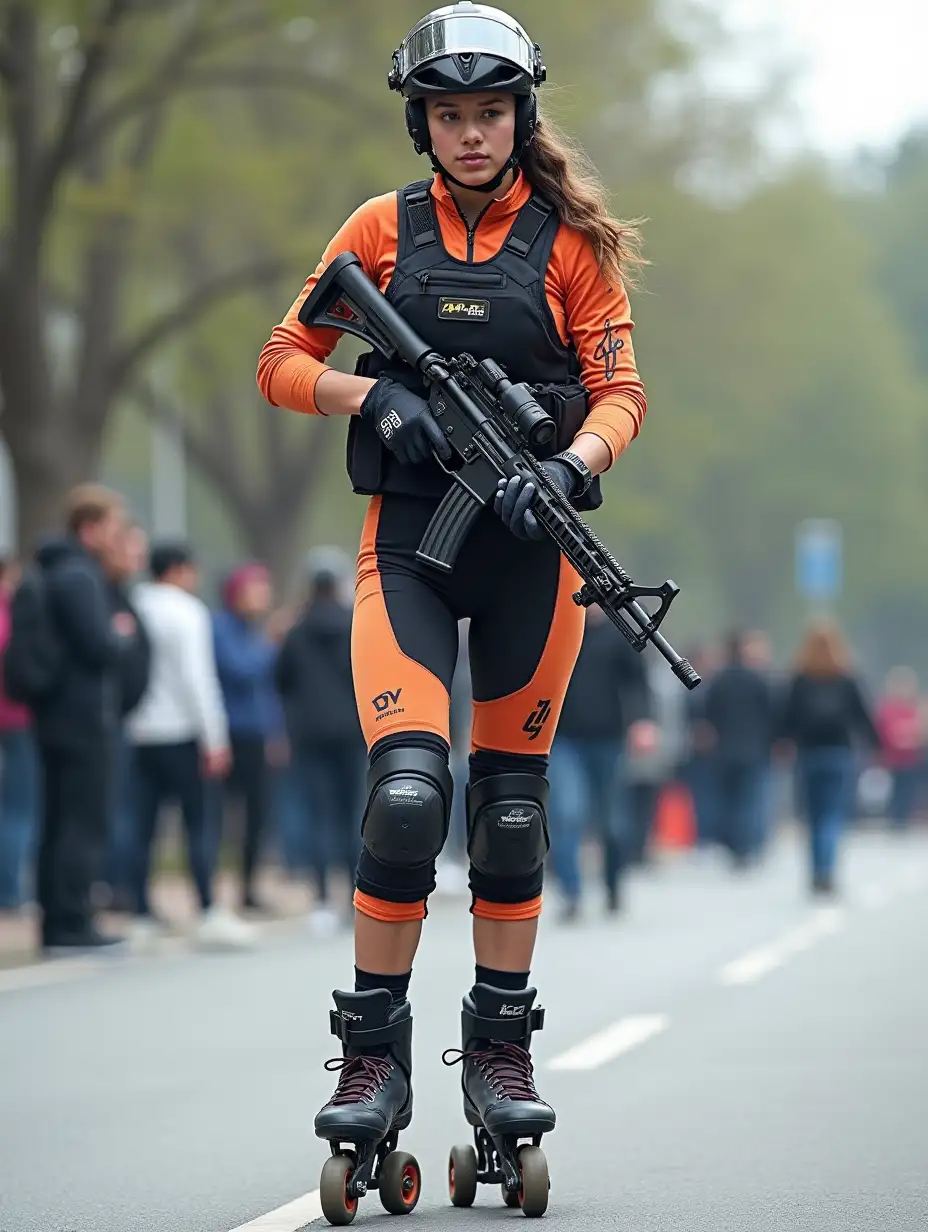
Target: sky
866, 64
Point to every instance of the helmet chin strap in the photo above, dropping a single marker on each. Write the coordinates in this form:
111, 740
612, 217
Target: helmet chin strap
487, 187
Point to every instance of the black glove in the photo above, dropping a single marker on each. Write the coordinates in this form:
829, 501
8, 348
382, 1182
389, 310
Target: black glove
404, 422
514, 498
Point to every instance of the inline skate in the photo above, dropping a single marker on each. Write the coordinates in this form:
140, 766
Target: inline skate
371, 1104
500, 1101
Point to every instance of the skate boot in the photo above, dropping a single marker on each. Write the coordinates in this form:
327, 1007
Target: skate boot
500, 1101
371, 1104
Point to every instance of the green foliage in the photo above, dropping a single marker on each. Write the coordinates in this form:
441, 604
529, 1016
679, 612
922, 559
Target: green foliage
781, 332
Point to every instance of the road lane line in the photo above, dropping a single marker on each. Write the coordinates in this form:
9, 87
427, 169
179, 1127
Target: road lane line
296, 1214
761, 961
621, 1036
54, 972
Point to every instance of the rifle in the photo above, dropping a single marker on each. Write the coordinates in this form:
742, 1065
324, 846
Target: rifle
493, 426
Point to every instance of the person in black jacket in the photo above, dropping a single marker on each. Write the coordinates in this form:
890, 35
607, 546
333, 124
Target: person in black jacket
78, 723
608, 704
824, 717
313, 678
739, 713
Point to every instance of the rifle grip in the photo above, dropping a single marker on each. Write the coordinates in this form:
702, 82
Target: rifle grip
450, 525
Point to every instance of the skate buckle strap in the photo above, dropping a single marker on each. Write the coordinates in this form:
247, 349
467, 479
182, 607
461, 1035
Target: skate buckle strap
355, 1037
514, 1029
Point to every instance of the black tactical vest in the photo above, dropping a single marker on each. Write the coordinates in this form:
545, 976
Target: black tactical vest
494, 309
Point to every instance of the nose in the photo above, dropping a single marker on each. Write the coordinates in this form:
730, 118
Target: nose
472, 135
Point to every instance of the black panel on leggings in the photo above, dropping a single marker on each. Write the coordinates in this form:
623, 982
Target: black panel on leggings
507, 586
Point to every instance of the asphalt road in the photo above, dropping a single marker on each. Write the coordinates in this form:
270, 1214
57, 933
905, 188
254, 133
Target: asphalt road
727, 1056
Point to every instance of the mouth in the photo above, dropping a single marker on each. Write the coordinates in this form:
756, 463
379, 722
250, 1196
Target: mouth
473, 160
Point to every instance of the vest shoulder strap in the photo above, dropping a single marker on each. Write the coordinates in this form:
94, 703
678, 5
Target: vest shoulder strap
418, 202
528, 225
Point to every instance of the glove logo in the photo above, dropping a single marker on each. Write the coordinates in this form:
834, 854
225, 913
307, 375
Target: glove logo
389, 424
537, 719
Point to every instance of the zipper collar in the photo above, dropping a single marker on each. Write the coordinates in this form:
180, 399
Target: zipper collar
497, 207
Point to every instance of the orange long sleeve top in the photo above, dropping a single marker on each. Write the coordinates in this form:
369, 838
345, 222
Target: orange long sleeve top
595, 318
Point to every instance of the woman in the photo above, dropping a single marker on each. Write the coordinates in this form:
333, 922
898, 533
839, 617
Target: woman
824, 715
512, 228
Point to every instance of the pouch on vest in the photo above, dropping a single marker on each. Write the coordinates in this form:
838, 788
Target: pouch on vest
567, 404
366, 455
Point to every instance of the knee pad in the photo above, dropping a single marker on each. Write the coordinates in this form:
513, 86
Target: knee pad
408, 807
507, 824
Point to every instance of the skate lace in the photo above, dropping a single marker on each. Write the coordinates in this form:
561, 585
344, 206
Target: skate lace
507, 1068
360, 1077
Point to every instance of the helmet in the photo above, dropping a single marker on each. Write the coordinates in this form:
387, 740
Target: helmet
468, 49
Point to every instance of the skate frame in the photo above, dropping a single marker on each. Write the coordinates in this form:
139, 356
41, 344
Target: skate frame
498, 1162
368, 1160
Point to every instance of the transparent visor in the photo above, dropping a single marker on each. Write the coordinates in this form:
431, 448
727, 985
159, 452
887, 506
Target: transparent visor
452, 36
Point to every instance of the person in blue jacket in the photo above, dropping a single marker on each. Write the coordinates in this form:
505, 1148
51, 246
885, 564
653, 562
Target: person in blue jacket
245, 657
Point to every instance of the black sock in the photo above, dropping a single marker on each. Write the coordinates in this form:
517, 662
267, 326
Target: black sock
396, 985
512, 981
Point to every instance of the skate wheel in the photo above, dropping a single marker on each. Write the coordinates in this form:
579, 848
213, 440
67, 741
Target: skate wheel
533, 1192
400, 1183
338, 1208
462, 1175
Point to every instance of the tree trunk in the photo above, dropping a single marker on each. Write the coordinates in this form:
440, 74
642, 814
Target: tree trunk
47, 464
273, 539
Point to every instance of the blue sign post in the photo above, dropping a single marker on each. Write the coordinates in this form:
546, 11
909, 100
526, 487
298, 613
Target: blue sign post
819, 560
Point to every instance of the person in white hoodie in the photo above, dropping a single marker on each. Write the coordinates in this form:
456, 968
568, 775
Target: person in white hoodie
180, 733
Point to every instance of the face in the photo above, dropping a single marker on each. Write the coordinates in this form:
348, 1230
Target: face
472, 134
188, 578
10, 573
254, 598
757, 651
134, 551
105, 539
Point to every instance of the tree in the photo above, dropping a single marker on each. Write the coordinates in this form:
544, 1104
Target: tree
779, 389
88, 90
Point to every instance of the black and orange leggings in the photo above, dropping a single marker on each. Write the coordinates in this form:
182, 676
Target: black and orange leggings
524, 637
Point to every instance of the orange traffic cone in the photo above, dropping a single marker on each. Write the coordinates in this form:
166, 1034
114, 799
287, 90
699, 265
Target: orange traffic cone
675, 822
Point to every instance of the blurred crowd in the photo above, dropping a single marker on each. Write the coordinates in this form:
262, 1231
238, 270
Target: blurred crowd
127, 701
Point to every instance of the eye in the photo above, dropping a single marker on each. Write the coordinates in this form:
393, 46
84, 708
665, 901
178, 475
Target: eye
448, 115
492, 114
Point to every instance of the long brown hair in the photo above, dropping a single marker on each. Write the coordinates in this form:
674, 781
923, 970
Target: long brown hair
823, 651
562, 172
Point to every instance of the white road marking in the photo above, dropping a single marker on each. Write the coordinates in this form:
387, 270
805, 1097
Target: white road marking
760, 962
52, 972
621, 1036
296, 1214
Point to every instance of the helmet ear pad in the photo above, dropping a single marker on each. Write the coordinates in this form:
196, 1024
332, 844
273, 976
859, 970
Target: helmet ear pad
526, 123
418, 125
